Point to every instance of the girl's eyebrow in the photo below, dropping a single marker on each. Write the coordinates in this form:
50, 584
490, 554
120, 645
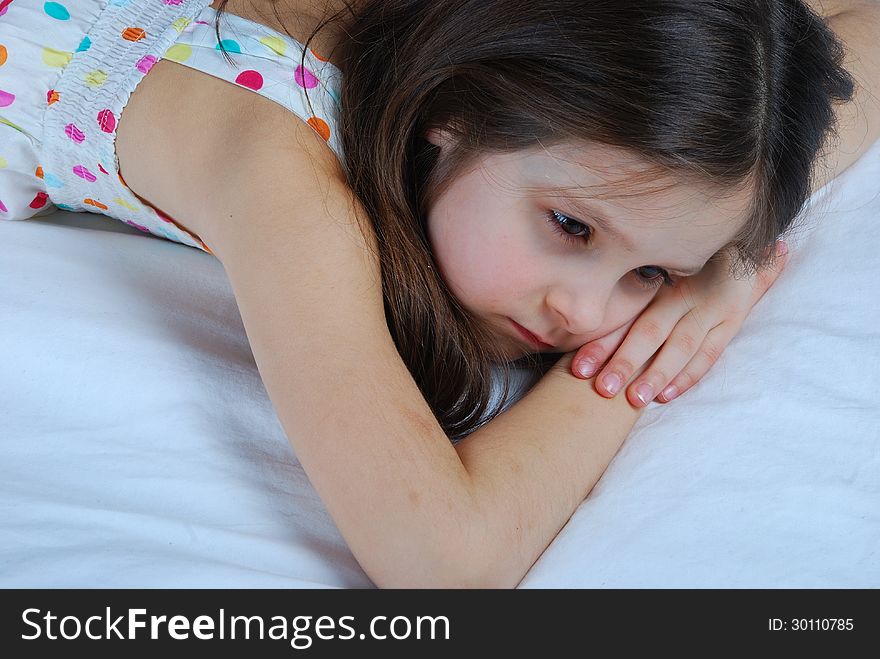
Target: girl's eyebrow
605, 224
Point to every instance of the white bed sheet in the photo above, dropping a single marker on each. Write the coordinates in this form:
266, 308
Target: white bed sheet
138, 447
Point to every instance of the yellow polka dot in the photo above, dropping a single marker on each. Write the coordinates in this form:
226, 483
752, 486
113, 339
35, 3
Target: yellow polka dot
57, 58
180, 24
275, 43
3, 163
96, 78
125, 204
179, 52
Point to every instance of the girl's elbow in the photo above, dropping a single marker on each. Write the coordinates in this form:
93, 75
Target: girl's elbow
446, 565
428, 577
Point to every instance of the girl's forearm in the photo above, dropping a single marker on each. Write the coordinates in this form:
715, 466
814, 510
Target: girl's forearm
532, 466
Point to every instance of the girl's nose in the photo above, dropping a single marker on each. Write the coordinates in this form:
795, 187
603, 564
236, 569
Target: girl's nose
581, 306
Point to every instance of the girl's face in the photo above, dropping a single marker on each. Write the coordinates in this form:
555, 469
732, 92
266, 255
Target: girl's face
512, 247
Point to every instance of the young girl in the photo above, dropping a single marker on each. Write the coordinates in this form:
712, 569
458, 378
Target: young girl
404, 193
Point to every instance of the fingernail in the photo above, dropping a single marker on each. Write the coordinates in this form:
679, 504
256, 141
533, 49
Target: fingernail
645, 392
612, 383
587, 367
670, 392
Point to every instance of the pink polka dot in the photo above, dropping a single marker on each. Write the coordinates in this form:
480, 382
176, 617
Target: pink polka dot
39, 201
74, 133
6, 99
305, 78
84, 173
250, 79
2, 207
106, 121
136, 226
145, 63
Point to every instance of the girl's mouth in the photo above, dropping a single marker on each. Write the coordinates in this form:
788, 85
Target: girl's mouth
530, 338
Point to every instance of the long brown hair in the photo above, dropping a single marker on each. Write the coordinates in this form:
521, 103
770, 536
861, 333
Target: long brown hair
723, 92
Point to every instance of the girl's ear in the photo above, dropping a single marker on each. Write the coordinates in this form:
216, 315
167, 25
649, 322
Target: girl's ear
439, 137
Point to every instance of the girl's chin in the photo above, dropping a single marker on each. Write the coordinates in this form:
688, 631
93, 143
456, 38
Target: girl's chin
513, 354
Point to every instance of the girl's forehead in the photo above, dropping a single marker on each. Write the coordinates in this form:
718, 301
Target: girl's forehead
593, 165
620, 178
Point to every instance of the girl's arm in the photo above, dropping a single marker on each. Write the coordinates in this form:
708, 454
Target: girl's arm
535, 463
414, 509
829, 8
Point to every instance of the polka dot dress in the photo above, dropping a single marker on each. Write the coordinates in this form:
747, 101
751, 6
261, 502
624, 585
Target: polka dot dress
68, 68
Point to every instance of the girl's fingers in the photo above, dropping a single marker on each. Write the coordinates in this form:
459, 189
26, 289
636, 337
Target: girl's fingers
692, 335
649, 331
704, 358
682, 363
714, 342
592, 355
683, 342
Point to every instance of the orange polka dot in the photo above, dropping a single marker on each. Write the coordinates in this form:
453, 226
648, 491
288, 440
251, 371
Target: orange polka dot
96, 204
323, 59
2, 54
133, 34
52, 97
39, 171
321, 126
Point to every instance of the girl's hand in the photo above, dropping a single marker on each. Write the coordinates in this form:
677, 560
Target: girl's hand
693, 322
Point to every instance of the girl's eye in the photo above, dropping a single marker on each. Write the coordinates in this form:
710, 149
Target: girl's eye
573, 232
659, 278
568, 228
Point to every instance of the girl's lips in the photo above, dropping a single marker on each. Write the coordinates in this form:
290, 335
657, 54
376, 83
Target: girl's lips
533, 340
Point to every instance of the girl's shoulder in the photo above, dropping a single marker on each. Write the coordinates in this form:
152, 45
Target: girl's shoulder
183, 130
